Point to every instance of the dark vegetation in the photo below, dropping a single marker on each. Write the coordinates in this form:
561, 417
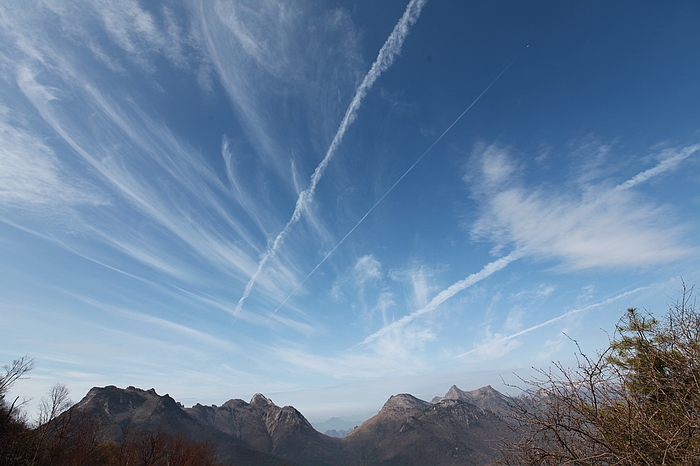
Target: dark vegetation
65, 436
637, 402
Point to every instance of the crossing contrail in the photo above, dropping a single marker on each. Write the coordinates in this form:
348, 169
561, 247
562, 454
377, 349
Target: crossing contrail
385, 58
362, 219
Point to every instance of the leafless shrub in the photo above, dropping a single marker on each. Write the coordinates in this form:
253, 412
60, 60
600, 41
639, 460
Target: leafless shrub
635, 403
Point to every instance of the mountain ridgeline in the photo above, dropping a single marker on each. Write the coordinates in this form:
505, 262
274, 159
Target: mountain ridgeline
463, 427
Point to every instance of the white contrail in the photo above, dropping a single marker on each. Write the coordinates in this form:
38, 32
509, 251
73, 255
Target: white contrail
385, 58
551, 321
392, 187
663, 166
444, 295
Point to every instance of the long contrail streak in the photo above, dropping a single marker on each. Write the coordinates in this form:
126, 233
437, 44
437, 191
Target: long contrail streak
663, 166
444, 295
550, 321
385, 58
393, 186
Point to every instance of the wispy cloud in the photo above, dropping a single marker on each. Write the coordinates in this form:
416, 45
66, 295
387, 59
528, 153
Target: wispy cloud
132, 34
367, 268
387, 54
165, 324
31, 175
419, 278
123, 175
261, 50
600, 227
119, 177
394, 354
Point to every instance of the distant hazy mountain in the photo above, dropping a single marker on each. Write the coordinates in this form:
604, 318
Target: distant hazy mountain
406, 431
334, 423
337, 427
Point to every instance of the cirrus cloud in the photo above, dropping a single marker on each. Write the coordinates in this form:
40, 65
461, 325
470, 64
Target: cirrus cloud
595, 227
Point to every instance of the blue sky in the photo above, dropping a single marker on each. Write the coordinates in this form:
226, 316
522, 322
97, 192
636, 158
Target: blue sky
217, 198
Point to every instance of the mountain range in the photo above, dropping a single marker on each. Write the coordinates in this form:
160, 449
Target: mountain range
463, 427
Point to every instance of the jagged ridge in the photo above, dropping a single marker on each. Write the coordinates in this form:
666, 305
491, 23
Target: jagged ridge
457, 428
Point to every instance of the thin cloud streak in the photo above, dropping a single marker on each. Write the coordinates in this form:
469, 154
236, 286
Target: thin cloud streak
165, 324
550, 321
207, 242
187, 297
387, 54
488, 270
117, 160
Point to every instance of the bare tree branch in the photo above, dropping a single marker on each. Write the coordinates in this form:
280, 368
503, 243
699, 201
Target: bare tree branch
637, 402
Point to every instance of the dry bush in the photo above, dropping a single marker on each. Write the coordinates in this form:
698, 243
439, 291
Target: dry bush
65, 436
162, 449
635, 403
17, 441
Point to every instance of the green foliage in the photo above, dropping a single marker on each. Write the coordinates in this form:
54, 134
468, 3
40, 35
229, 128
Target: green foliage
635, 403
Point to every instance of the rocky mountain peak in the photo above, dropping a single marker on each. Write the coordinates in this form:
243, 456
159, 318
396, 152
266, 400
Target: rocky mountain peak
454, 393
403, 401
485, 398
261, 401
235, 403
284, 418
